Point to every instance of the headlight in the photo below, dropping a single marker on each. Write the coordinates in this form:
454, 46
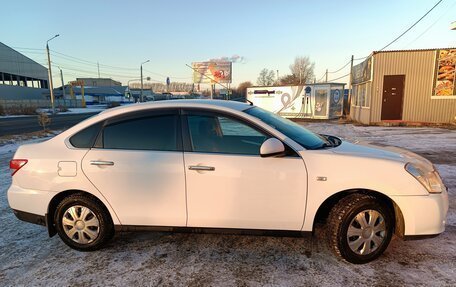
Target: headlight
430, 179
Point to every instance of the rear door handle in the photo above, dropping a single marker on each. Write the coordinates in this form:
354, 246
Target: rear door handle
101, 162
201, 167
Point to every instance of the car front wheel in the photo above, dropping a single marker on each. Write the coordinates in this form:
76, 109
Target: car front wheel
360, 228
82, 223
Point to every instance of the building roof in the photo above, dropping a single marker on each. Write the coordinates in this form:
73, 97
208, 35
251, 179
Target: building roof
13, 62
412, 50
99, 82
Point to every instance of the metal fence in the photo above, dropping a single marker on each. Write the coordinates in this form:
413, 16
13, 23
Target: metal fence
8, 104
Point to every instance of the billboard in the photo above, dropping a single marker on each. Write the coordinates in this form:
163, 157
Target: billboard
211, 72
445, 75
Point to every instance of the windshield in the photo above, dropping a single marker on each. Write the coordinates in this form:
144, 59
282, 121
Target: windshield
299, 134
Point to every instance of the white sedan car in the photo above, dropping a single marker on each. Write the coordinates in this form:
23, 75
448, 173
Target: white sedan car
226, 166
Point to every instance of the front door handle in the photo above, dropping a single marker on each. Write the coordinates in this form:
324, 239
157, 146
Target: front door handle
201, 167
101, 162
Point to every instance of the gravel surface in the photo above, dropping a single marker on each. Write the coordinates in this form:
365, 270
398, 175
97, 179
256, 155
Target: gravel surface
28, 257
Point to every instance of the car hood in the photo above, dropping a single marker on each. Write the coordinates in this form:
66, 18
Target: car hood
379, 151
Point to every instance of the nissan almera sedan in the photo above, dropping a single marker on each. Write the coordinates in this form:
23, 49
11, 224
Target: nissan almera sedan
221, 165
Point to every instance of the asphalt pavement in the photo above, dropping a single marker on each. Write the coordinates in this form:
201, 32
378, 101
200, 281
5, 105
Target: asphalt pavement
26, 124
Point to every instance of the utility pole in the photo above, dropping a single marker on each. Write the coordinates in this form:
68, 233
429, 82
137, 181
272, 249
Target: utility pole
98, 65
51, 86
326, 76
350, 87
141, 95
63, 83
300, 72
278, 78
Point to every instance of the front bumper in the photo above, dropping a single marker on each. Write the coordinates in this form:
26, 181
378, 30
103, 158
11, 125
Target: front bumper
425, 215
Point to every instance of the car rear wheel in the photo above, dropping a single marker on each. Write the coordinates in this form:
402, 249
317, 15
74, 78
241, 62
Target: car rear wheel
82, 223
360, 228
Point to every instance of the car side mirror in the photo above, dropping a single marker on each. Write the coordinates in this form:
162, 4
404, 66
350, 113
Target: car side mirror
272, 147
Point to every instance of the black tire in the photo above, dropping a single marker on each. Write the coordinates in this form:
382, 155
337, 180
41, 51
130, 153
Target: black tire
104, 230
342, 216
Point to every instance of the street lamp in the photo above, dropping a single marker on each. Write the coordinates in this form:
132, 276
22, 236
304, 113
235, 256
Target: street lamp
51, 87
142, 100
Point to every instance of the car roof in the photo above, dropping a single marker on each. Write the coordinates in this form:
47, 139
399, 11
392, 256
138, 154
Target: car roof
239, 106
197, 103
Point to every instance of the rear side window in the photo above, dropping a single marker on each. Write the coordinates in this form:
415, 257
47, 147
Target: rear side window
86, 138
151, 133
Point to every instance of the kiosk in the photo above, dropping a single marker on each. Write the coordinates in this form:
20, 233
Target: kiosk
312, 101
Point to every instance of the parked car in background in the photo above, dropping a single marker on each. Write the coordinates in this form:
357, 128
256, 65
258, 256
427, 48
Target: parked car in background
207, 164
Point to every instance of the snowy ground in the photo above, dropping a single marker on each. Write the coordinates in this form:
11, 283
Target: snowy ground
29, 257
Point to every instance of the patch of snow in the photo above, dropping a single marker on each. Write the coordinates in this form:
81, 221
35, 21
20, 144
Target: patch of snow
83, 110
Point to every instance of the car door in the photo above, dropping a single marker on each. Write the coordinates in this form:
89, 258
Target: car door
137, 164
229, 185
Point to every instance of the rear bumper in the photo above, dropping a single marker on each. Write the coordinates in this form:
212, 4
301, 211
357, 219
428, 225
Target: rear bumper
30, 201
30, 217
424, 216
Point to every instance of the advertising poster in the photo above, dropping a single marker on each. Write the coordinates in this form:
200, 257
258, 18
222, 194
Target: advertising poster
444, 84
287, 101
362, 72
211, 72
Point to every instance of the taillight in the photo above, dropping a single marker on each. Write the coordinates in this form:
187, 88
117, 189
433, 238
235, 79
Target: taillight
17, 164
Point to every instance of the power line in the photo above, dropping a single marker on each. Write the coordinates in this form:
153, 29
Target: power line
321, 77
341, 68
358, 59
339, 78
23, 48
414, 24
432, 25
89, 67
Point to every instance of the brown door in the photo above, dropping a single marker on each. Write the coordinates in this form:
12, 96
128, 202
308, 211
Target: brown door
393, 95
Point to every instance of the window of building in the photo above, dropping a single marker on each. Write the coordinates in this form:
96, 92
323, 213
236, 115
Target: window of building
360, 96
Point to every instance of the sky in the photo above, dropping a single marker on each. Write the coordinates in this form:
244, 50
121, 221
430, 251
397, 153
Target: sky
120, 35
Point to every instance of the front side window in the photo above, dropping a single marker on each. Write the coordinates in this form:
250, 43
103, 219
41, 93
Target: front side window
219, 134
299, 134
148, 133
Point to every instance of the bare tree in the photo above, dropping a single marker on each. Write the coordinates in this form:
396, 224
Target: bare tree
266, 77
289, 80
242, 88
303, 70
44, 120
